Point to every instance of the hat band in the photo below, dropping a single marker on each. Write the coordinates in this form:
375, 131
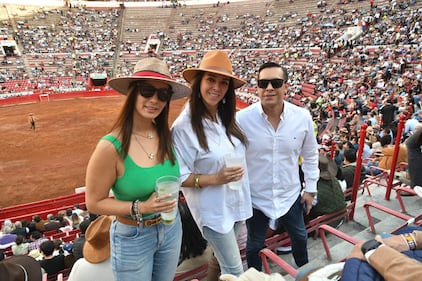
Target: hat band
151, 74
214, 68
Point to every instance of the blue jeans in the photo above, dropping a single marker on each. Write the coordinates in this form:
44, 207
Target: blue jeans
371, 169
292, 222
226, 249
145, 253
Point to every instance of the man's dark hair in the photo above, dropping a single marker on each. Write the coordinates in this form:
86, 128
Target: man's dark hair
350, 155
385, 140
84, 225
273, 64
47, 247
36, 234
19, 239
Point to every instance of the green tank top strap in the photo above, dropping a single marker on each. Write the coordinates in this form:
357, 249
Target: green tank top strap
114, 141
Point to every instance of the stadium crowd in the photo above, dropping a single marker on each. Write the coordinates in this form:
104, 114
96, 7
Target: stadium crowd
373, 78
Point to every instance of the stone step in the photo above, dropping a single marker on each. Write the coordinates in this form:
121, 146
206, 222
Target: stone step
358, 228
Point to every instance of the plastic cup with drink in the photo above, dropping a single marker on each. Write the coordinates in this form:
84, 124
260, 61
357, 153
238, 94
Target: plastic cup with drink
233, 160
168, 185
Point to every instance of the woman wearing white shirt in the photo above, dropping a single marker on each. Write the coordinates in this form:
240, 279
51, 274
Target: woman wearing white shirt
203, 134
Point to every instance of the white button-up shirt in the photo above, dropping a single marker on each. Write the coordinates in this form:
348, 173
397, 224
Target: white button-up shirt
272, 157
217, 207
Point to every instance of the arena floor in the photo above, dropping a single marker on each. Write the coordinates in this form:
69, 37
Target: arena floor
51, 160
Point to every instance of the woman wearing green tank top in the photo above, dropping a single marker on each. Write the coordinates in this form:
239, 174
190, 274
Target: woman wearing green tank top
137, 151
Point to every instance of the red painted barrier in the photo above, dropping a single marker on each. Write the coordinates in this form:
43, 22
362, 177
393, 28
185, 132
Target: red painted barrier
34, 98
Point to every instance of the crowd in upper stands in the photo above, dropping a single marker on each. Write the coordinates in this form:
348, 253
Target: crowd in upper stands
352, 81
351, 78
358, 73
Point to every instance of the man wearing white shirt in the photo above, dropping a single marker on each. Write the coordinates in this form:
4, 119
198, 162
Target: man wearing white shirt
278, 132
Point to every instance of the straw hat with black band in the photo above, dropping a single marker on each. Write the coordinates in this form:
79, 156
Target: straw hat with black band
150, 69
217, 62
97, 240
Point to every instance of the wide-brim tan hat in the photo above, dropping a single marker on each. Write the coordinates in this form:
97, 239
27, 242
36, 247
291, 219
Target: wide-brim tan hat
150, 69
216, 62
97, 240
327, 167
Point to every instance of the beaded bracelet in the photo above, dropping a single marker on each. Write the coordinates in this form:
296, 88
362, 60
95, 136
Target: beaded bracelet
134, 212
411, 242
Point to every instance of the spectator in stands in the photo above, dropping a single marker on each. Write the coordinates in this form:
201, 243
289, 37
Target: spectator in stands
79, 242
85, 213
77, 209
7, 227
278, 132
39, 223
52, 224
140, 135
349, 167
385, 161
387, 111
36, 240
411, 124
76, 220
195, 251
95, 265
50, 263
414, 149
58, 247
31, 228
19, 229
339, 153
68, 217
371, 168
330, 197
20, 247
203, 133
388, 131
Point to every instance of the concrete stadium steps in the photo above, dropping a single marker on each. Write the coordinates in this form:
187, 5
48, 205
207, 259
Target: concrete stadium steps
358, 228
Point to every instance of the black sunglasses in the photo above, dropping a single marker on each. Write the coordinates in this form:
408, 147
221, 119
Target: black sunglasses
276, 83
163, 94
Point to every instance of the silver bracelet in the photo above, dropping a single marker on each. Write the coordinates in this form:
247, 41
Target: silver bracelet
136, 215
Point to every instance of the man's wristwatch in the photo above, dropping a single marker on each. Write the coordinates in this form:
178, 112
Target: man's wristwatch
369, 247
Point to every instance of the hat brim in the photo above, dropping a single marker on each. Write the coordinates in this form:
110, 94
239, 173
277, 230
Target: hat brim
122, 84
190, 73
95, 255
32, 267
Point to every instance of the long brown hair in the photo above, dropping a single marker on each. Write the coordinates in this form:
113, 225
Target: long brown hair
226, 110
124, 125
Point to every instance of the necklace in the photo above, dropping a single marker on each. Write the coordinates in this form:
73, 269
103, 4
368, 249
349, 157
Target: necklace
151, 156
149, 135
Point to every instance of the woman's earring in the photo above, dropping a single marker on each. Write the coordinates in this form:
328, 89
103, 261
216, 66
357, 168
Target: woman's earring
224, 101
